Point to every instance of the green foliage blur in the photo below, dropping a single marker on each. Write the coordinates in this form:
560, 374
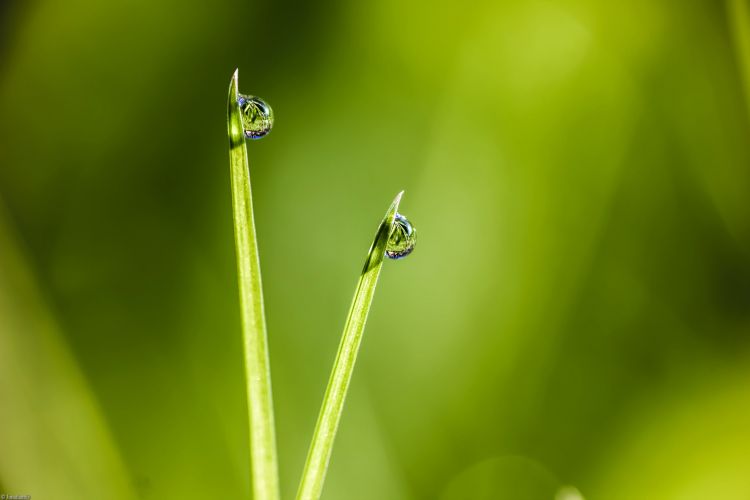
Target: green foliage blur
574, 322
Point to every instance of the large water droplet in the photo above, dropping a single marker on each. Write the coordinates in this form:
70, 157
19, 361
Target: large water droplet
403, 239
257, 116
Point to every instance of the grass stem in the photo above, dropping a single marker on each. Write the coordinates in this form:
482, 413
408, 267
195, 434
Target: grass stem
319, 455
265, 474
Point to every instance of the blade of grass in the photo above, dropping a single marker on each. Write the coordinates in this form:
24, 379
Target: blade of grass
264, 465
333, 402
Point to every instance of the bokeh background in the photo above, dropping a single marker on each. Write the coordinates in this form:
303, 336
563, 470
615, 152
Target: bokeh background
574, 322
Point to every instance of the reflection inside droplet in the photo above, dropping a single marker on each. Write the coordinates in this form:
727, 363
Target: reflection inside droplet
257, 116
403, 239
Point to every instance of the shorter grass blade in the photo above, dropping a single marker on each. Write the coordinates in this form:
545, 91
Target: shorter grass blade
333, 402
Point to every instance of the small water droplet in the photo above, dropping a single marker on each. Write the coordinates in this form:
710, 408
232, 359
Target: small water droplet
257, 116
402, 240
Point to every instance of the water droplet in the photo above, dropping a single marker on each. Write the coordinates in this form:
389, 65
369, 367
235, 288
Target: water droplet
402, 240
257, 116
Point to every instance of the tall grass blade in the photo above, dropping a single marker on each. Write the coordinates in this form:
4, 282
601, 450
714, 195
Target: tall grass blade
265, 474
319, 455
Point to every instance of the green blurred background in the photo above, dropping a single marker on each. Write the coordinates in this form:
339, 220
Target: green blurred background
574, 322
